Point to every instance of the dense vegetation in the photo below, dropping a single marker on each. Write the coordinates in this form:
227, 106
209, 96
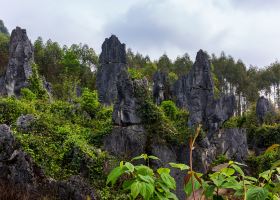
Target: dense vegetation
65, 137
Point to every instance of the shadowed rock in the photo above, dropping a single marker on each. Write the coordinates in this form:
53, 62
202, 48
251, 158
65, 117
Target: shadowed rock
195, 92
161, 87
263, 108
113, 61
20, 59
128, 138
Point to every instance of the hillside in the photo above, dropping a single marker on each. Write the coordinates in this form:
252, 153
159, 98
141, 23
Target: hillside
69, 116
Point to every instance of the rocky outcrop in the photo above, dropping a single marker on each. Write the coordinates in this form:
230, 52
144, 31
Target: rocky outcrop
15, 165
263, 108
112, 62
18, 170
195, 92
20, 59
24, 122
128, 138
161, 87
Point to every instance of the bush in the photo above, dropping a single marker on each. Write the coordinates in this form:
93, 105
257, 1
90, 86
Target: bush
169, 108
90, 103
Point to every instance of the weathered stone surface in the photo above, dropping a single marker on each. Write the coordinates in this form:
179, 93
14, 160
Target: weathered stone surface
232, 143
263, 107
218, 112
161, 87
128, 138
24, 122
76, 188
113, 61
20, 59
195, 92
126, 142
180, 90
125, 108
15, 165
112, 51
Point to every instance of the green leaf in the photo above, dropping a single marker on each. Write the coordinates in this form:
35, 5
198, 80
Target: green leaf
168, 180
142, 156
144, 170
256, 193
232, 184
238, 169
179, 166
114, 175
171, 195
163, 170
250, 178
129, 166
227, 171
135, 189
146, 178
147, 190
153, 157
188, 187
127, 184
209, 191
266, 174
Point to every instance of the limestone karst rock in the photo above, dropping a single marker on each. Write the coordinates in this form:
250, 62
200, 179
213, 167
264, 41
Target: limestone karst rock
161, 87
18, 168
15, 165
113, 61
263, 107
128, 138
20, 59
195, 92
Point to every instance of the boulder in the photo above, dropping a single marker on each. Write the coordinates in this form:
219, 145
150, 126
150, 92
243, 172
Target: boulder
161, 87
112, 62
24, 122
20, 59
263, 108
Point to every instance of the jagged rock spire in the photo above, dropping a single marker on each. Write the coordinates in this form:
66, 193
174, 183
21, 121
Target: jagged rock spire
113, 61
113, 51
20, 59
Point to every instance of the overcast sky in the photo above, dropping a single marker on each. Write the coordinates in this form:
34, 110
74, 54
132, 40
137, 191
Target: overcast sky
245, 29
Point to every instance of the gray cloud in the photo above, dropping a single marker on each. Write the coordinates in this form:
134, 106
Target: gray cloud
246, 29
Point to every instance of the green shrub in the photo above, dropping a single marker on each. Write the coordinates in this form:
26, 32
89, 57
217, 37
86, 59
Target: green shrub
169, 108
89, 102
27, 94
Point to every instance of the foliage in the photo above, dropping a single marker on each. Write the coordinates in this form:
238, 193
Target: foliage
36, 84
142, 181
4, 52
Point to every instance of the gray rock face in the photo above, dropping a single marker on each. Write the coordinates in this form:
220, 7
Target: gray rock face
20, 59
219, 111
15, 165
232, 143
128, 138
263, 107
113, 61
161, 87
195, 92
126, 142
24, 122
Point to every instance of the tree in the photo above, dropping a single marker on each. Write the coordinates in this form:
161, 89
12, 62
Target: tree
164, 64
